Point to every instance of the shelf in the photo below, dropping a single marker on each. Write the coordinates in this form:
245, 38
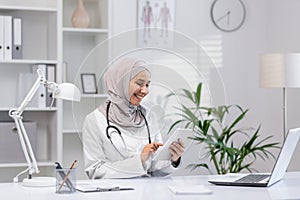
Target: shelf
71, 131
84, 31
30, 5
40, 164
29, 8
31, 109
28, 61
94, 96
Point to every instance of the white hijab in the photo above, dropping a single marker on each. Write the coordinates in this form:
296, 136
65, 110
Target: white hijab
116, 80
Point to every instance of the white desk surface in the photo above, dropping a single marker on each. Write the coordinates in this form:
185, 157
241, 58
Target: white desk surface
157, 188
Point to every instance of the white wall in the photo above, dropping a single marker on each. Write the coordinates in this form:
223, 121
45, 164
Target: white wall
270, 26
283, 36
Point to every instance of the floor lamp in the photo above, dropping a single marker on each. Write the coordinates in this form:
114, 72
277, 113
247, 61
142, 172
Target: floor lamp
278, 70
66, 91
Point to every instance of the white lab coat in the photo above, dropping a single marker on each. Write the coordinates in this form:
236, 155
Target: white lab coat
102, 160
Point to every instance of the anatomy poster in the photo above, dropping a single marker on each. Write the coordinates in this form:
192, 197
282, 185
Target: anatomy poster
155, 22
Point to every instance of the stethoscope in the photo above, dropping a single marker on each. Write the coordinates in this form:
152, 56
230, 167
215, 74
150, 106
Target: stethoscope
115, 129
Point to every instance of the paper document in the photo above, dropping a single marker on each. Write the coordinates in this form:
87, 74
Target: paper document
98, 187
190, 189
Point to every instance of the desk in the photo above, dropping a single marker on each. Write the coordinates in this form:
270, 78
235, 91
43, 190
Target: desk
157, 188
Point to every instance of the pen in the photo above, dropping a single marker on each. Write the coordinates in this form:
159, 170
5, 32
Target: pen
126, 189
112, 189
66, 177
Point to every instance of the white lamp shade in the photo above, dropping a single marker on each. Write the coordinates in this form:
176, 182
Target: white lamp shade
67, 91
280, 70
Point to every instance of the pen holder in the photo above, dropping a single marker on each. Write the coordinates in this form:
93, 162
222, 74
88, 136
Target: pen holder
65, 180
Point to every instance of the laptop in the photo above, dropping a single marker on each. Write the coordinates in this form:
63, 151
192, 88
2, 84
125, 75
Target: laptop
264, 180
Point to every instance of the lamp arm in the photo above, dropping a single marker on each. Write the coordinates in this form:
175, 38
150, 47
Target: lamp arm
26, 147
18, 121
33, 167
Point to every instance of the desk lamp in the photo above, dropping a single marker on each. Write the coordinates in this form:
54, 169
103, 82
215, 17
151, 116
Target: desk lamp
280, 71
66, 91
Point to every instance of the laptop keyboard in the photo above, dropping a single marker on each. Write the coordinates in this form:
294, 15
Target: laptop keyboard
252, 178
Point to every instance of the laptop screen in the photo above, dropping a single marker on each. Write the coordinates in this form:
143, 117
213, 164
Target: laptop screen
285, 156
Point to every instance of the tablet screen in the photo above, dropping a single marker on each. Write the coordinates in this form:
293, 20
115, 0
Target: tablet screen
184, 134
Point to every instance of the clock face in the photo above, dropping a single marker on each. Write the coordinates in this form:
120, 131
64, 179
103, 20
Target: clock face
228, 15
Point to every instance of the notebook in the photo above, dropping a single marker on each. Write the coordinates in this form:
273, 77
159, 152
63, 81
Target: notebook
264, 180
190, 189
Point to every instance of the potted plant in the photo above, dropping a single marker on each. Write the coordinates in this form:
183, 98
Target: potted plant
217, 134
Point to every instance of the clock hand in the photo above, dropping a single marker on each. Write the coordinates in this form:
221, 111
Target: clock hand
228, 18
223, 16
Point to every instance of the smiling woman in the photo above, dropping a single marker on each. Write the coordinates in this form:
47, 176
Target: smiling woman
118, 141
138, 87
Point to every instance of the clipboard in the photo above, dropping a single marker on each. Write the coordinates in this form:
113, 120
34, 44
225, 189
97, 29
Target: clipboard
88, 187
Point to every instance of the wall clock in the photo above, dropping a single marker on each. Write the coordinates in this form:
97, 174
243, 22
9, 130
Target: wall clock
228, 15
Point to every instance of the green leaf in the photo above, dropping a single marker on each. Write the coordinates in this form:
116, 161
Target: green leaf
188, 94
190, 115
198, 95
174, 124
238, 119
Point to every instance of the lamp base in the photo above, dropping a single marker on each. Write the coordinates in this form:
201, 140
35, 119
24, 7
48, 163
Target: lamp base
39, 182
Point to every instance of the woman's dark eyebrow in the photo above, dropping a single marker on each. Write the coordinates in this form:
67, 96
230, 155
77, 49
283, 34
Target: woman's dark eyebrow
142, 80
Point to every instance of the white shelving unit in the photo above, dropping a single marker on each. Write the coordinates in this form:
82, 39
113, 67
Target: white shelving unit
39, 45
77, 44
48, 37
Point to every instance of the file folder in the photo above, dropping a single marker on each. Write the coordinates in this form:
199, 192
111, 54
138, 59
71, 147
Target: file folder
40, 96
17, 38
1, 38
7, 37
50, 76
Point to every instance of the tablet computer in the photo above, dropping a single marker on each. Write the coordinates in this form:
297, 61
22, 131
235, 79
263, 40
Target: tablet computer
184, 134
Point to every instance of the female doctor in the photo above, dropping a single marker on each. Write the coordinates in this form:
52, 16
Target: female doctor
120, 137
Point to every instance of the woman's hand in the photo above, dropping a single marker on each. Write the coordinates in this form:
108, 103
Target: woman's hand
148, 150
176, 149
